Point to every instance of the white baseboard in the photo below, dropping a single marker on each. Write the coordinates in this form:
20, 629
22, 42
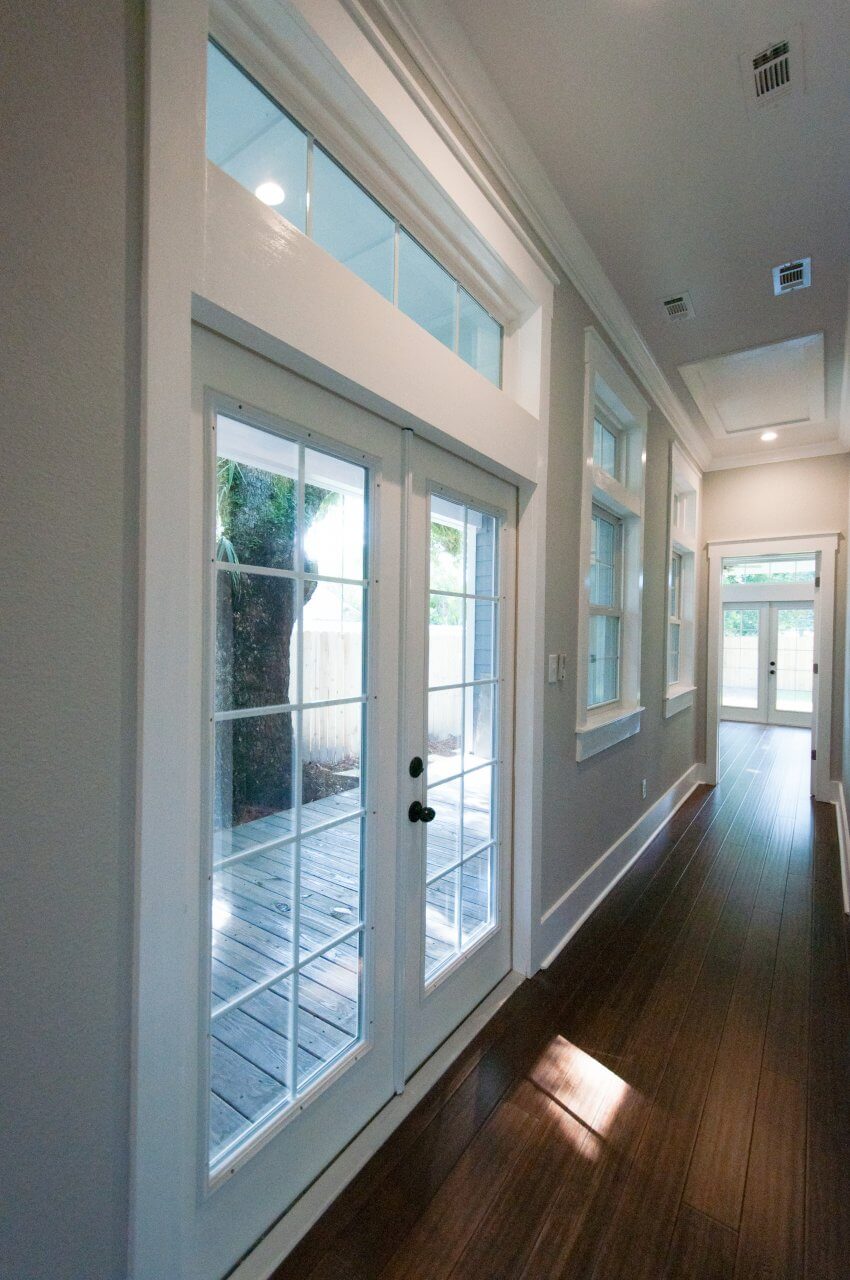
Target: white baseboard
569, 913
270, 1252
839, 799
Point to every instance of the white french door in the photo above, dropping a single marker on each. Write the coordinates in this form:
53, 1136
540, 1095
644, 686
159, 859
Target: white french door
459, 740
298, 995
768, 662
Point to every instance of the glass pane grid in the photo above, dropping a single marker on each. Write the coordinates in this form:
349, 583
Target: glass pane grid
251, 138
461, 772
741, 658
776, 569
288, 840
795, 660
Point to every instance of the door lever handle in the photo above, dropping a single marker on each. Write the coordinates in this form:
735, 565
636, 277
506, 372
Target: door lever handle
419, 812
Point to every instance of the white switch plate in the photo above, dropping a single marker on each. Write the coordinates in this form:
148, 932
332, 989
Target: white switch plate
562, 666
553, 668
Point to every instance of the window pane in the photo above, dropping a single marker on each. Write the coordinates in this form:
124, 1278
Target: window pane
253, 781
675, 585
480, 339
250, 1061
673, 653
426, 292
476, 892
256, 496
605, 445
351, 226
249, 137
445, 732
741, 657
334, 516
442, 922
446, 567
443, 834
328, 1008
255, 640
604, 552
604, 660
330, 762
795, 655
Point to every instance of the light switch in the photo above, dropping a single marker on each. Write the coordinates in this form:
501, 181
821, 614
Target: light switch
553, 668
562, 666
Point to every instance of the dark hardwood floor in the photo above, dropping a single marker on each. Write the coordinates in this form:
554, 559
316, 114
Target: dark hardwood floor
671, 1099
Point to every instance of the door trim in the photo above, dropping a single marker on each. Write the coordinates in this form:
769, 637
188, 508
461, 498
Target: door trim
825, 547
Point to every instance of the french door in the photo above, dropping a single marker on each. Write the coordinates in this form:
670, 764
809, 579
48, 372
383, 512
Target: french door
768, 662
334, 556
459, 741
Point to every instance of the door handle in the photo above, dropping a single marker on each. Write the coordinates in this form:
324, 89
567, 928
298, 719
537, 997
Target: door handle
419, 812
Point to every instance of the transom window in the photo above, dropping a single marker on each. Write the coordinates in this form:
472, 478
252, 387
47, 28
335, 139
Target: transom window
606, 448
605, 609
774, 569
254, 140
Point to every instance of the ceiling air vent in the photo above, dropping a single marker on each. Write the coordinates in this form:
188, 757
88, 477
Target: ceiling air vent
772, 70
678, 308
791, 276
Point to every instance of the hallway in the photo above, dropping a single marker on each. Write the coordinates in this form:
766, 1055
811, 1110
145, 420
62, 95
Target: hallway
671, 1098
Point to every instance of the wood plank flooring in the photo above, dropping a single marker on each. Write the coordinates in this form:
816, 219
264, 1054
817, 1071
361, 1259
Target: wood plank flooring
670, 1100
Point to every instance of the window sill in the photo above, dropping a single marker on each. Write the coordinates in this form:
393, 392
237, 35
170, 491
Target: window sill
605, 729
678, 698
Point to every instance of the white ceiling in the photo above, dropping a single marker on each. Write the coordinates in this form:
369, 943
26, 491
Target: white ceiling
637, 111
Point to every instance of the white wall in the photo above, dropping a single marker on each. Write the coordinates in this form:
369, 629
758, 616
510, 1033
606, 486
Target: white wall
71, 196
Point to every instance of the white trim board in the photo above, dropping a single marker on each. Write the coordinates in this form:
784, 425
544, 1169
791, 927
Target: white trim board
569, 913
843, 823
282, 1238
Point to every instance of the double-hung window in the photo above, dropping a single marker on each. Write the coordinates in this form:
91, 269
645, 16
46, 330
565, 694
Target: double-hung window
606, 611
608, 694
685, 485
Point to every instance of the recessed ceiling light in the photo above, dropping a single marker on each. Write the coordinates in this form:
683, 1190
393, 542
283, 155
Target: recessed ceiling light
767, 436
270, 193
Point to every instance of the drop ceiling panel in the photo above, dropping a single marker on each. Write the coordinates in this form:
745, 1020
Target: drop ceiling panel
779, 385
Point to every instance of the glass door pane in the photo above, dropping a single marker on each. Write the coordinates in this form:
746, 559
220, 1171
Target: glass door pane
288, 837
462, 695
741, 634
794, 657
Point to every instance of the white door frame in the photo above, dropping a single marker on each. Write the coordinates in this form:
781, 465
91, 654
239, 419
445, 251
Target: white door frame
824, 546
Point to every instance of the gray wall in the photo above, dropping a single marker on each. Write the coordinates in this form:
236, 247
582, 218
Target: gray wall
588, 806
71, 196
773, 501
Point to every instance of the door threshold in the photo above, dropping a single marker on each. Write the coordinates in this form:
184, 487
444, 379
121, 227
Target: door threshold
279, 1241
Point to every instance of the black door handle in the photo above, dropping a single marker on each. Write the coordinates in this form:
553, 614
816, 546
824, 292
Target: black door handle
419, 812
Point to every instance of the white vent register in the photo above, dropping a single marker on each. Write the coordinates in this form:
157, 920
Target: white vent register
792, 276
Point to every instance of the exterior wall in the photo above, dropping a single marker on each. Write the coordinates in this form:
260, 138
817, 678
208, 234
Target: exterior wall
71, 215
773, 501
589, 806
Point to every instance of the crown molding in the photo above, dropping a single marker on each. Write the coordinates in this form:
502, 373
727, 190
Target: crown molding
825, 449
508, 172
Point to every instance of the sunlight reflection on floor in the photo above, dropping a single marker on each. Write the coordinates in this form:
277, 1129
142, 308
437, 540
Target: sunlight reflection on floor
587, 1091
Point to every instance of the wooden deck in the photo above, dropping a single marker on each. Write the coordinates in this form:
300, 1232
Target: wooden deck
670, 1100
252, 940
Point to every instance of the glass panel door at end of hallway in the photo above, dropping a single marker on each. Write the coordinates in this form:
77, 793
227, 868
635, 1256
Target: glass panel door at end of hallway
459, 657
